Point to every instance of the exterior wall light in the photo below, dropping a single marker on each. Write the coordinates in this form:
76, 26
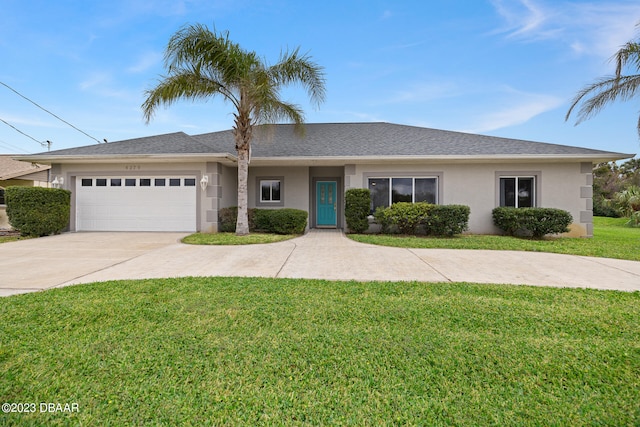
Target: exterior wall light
204, 182
58, 182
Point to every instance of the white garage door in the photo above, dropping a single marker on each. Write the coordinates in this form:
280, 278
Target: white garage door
158, 203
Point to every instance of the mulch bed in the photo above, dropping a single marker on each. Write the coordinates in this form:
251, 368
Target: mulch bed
4, 233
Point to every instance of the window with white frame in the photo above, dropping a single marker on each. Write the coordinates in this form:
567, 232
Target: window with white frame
270, 191
517, 191
387, 191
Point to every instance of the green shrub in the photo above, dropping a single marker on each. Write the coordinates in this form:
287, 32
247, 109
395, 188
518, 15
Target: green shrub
38, 211
227, 218
447, 220
604, 207
634, 220
382, 217
507, 220
357, 204
260, 220
287, 221
279, 221
408, 216
534, 222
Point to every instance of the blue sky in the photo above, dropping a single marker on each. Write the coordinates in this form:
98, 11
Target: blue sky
497, 67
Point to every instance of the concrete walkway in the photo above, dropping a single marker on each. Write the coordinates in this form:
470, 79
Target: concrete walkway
75, 258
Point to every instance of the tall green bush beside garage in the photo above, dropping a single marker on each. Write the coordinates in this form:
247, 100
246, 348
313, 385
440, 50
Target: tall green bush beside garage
357, 203
38, 211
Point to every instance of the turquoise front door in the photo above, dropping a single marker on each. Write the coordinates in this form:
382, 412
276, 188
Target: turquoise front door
326, 204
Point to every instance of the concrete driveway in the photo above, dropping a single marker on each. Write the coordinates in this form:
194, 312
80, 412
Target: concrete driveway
74, 258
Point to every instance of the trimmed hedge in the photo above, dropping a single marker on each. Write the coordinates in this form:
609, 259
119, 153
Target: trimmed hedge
534, 222
407, 216
436, 220
278, 221
38, 211
447, 220
357, 203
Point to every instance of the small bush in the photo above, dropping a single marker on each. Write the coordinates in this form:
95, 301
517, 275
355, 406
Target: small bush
604, 207
436, 220
447, 220
227, 218
408, 216
260, 220
634, 220
507, 219
382, 217
535, 222
287, 221
356, 210
38, 211
279, 221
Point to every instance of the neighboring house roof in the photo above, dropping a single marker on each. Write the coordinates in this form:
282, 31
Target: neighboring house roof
344, 141
15, 169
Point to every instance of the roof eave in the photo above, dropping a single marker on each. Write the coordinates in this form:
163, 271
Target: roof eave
525, 158
224, 158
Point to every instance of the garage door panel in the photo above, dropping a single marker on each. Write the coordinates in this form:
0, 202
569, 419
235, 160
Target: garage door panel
135, 208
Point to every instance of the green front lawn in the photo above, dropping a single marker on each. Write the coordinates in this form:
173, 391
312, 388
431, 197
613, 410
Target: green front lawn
246, 351
612, 239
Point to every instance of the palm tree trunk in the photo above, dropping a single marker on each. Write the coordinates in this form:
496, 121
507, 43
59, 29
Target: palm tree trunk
242, 223
242, 135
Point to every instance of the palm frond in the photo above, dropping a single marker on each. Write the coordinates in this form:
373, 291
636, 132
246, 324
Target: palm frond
180, 86
629, 54
296, 68
604, 91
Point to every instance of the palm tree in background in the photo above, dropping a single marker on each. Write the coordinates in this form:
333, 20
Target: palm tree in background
202, 64
618, 87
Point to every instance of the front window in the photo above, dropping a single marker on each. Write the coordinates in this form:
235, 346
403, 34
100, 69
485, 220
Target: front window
386, 191
269, 190
2, 201
517, 192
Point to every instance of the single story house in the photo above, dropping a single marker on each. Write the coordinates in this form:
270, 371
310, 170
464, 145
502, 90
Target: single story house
14, 172
179, 182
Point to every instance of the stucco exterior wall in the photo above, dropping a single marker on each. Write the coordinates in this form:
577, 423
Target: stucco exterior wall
295, 186
558, 185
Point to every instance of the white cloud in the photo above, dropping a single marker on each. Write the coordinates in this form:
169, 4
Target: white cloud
145, 62
20, 120
423, 92
593, 28
522, 17
512, 107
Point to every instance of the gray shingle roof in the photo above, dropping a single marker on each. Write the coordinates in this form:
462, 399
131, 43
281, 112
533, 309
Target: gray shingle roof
336, 140
382, 139
171, 143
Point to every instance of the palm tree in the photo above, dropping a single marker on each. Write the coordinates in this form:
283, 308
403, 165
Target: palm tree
611, 88
202, 64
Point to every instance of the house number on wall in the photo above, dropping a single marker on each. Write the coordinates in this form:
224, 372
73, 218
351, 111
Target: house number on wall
131, 167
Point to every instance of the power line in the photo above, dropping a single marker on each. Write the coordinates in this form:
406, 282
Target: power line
12, 147
18, 130
44, 109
